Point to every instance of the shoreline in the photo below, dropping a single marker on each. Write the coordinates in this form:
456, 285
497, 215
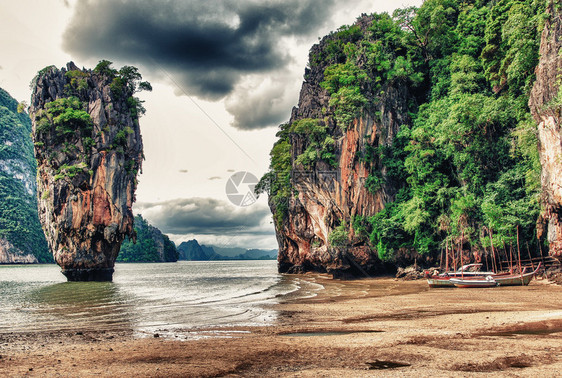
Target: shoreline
379, 326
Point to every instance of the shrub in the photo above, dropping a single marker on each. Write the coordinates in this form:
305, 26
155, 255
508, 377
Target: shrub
78, 80
343, 82
121, 138
70, 171
339, 237
66, 115
104, 68
320, 145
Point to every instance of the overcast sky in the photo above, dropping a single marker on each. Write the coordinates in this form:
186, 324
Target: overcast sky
225, 74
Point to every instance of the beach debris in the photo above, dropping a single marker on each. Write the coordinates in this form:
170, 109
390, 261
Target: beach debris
382, 365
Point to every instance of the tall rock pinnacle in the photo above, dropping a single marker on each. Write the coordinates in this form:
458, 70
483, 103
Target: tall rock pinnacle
89, 150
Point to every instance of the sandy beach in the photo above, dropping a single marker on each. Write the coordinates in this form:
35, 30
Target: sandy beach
372, 327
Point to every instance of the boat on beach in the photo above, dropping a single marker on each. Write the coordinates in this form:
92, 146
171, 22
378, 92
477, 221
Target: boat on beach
443, 279
483, 279
487, 281
471, 276
521, 279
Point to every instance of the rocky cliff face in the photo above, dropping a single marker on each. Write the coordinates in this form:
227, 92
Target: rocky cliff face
12, 255
89, 149
332, 194
21, 237
546, 105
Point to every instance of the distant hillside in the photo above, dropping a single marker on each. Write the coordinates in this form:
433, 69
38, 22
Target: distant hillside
193, 251
21, 237
151, 246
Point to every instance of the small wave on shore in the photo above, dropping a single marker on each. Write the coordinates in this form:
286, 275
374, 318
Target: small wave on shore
148, 299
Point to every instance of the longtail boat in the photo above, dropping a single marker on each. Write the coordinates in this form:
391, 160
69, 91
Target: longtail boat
439, 281
443, 279
487, 281
521, 279
465, 278
502, 279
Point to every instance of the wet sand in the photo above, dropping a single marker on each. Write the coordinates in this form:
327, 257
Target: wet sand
374, 327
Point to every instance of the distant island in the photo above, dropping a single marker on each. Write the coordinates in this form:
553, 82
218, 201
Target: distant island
154, 246
151, 246
193, 251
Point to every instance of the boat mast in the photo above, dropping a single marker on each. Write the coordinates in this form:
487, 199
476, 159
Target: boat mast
493, 252
460, 251
446, 255
507, 258
530, 257
454, 256
486, 258
519, 255
441, 259
510, 257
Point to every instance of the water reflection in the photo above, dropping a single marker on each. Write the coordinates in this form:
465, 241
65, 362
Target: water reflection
84, 305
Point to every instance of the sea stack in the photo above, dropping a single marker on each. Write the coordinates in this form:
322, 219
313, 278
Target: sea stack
89, 151
333, 189
546, 108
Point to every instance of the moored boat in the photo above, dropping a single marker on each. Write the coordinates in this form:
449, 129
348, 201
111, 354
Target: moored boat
461, 278
439, 281
516, 279
487, 281
443, 279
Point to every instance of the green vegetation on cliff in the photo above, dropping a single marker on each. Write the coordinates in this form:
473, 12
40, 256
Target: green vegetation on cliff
151, 245
466, 167
19, 222
277, 182
471, 163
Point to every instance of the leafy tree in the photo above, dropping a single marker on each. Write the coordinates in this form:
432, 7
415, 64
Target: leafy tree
104, 68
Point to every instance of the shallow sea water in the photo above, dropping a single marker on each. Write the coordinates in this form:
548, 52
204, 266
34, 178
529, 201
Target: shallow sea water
147, 298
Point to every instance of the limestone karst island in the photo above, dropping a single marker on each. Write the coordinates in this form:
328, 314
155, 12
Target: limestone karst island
296, 188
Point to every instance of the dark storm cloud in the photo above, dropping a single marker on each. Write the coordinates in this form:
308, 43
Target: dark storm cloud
257, 116
206, 46
205, 216
267, 105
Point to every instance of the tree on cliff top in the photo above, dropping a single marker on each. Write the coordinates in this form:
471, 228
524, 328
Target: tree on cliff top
125, 82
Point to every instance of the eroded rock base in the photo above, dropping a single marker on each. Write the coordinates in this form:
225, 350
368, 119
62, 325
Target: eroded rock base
97, 274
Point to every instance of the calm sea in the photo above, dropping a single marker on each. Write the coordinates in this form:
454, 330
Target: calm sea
146, 298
